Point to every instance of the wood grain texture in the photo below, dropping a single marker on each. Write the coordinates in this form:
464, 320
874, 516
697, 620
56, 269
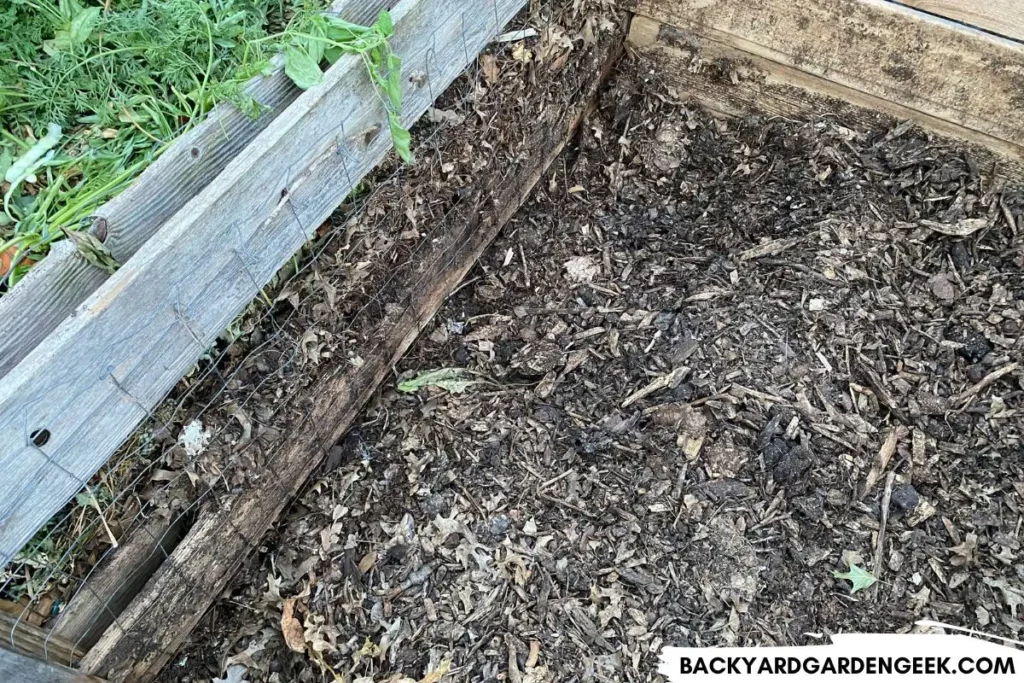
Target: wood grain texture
196, 574
19, 668
765, 87
47, 295
100, 373
1004, 17
52, 291
929, 66
112, 584
19, 635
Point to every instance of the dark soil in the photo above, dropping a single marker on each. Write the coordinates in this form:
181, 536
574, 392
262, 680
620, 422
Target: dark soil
705, 354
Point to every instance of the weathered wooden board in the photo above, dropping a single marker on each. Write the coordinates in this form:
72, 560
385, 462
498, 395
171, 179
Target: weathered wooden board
69, 404
19, 668
47, 295
929, 66
64, 279
160, 618
1004, 17
19, 635
765, 87
111, 585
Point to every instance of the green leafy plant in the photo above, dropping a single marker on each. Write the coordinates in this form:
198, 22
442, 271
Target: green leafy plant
329, 38
858, 577
454, 380
93, 91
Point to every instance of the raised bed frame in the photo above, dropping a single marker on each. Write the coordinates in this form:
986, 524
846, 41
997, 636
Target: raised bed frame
107, 349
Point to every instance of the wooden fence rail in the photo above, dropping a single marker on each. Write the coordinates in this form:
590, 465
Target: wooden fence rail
949, 77
1002, 17
73, 399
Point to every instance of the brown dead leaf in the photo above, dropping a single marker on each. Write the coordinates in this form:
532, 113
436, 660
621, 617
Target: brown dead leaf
291, 629
440, 672
884, 455
490, 67
366, 564
531, 661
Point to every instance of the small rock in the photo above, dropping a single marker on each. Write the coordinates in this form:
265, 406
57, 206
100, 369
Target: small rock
942, 288
537, 359
904, 498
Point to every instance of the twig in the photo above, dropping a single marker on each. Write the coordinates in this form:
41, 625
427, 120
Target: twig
883, 395
565, 504
879, 548
990, 378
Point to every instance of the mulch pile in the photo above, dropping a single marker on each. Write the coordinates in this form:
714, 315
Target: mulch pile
708, 365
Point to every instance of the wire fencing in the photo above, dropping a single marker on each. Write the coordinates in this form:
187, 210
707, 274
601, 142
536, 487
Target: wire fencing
221, 428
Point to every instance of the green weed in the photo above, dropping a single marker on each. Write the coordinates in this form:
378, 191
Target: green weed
117, 81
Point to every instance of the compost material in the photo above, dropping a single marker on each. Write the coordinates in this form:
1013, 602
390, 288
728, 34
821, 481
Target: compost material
677, 393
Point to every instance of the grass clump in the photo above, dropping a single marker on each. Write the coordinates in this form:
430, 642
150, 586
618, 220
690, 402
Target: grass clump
92, 91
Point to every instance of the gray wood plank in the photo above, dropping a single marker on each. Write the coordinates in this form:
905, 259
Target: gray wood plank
73, 400
45, 298
19, 668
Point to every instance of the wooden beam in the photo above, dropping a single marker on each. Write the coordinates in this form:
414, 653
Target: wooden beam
1003, 17
52, 290
19, 635
19, 668
691, 64
882, 52
113, 583
160, 618
69, 404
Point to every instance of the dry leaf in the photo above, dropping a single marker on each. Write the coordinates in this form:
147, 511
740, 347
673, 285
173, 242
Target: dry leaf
521, 53
440, 672
291, 629
962, 228
884, 455
490, 67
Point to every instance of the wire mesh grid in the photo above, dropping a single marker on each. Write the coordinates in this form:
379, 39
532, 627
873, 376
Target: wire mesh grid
155, 485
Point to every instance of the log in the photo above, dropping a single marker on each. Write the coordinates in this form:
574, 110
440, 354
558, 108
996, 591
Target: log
198, 571
66, 408
19, 668
20, 636
932, 69
111, 585
51, 291
1002, 17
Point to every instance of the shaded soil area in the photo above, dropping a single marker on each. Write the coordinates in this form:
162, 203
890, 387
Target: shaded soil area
709, 364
